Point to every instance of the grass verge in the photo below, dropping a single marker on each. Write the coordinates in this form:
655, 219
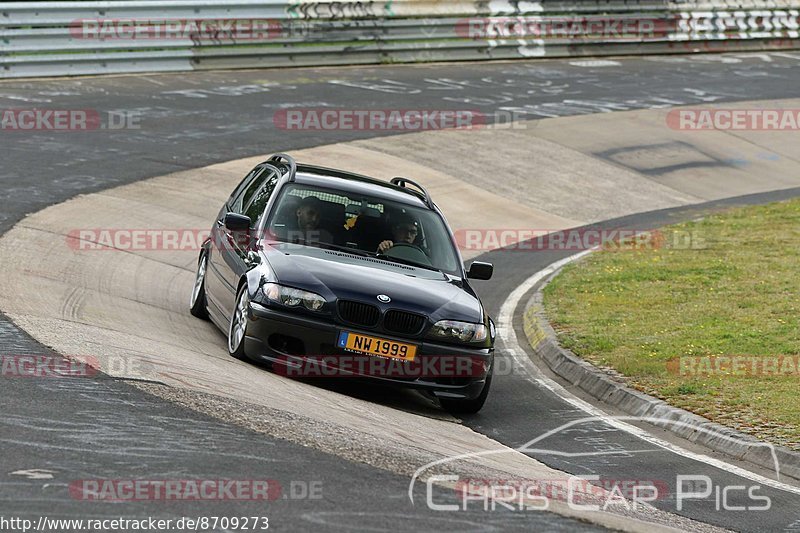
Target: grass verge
708, 321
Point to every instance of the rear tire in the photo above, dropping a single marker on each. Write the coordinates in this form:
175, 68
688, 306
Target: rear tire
198, 305
238, 328
468, 407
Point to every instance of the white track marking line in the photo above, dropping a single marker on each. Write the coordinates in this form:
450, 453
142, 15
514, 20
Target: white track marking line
507, 334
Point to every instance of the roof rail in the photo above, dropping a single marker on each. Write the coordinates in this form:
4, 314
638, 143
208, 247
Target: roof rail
290, 163
272, 167
401, 182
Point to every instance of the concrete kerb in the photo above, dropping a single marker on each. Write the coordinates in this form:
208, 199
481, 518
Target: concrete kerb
609, 390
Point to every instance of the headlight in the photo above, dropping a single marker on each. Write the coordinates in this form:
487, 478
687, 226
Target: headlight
293, 297
462, 331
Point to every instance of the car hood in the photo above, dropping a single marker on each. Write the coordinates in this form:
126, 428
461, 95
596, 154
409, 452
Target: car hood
335, 274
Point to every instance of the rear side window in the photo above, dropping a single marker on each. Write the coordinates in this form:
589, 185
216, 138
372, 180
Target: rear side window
256, 198
235, 201
254, 192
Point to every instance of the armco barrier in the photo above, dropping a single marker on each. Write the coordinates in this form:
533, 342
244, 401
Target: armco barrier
72, 38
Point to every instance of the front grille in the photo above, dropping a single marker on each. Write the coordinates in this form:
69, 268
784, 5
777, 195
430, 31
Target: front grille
402, 322
359, 313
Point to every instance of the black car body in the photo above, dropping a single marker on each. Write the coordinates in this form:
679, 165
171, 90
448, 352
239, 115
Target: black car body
330, 303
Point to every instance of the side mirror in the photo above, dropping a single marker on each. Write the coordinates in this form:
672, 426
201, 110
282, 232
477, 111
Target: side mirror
480, 270
236, 222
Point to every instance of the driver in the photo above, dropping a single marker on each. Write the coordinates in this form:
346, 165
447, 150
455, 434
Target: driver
404, 230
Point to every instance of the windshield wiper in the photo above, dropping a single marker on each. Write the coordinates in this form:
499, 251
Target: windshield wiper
407, 262
364, 253
326, 245
337, 247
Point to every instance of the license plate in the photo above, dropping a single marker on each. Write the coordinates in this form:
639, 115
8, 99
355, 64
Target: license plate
375, 346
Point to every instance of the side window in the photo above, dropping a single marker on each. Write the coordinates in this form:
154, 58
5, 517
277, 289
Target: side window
255, 203
236, 201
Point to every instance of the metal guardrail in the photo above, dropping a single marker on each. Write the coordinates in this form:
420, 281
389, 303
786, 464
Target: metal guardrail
72, 38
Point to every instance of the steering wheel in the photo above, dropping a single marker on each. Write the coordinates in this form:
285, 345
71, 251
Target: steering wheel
399, 245
405, 245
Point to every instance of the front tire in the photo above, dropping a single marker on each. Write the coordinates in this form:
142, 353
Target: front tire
468, 407
198, 305
238, 328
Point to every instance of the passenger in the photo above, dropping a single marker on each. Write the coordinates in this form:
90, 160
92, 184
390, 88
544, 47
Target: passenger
405, 229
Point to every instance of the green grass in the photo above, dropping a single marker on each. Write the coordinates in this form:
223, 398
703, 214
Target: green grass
737, 294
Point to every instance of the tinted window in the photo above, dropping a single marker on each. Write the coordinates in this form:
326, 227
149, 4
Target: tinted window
256, 198
254, 193
235, 201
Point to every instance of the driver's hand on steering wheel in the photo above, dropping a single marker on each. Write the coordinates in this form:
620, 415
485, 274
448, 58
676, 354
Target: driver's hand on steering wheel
384, 246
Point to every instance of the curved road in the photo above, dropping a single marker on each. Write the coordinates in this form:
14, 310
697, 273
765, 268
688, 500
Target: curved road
103, 428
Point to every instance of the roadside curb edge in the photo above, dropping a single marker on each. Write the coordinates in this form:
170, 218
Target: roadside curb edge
543, 340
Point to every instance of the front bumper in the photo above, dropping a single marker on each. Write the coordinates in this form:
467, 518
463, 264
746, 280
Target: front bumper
305, 346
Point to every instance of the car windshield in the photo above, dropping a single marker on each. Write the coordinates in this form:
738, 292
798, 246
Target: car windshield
363, 225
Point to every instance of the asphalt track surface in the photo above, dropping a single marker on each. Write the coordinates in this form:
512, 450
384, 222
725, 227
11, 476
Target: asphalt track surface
101, 428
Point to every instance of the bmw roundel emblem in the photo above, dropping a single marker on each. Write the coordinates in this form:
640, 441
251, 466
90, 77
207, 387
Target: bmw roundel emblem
383, 298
